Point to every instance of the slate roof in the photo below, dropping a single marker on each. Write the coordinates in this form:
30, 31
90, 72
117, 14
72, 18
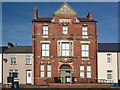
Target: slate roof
109, 47
18, 49
102, 47
48, 19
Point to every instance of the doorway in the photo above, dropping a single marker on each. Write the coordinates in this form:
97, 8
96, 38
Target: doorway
29, 77
65, 74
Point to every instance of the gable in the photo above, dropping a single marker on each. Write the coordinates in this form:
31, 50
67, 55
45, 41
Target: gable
65, 10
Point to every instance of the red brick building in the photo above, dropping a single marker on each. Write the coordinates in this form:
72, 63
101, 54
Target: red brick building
64, 46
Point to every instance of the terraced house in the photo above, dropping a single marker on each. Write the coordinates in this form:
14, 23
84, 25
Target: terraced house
18, 63
64, 47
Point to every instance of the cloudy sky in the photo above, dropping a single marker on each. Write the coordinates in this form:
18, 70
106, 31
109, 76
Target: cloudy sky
17, 17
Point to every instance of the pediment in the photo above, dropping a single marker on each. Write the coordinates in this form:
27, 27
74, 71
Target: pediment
65, 10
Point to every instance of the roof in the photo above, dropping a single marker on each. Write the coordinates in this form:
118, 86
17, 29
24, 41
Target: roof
108, 47
18, 49
48, 19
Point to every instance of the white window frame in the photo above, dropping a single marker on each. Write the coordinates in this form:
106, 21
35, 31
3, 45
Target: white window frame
11, 72
65, 29
42, 72
13, 59
109, 58
89, 71
82, 71
85, 50
28, 59
85, 30
45, 49
45, 30
109, 72
60, 50
49, 70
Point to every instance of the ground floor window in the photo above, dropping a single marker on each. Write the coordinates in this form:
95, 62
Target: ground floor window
13, 73
82, 71
109, 74
41, 70
89, 71
48, 70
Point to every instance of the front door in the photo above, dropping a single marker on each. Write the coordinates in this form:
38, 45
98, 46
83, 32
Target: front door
65, 74
29, 77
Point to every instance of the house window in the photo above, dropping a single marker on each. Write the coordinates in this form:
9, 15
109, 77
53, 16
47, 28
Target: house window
109, 58
41, 70
65, 49
84, 30
85, 50
45, 30
82, 71
13, 59
65, 29
48, 70
89, 71
13, 73
109, 74
45, 49
28, 60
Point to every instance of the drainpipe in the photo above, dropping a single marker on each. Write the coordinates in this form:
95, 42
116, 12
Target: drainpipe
117, 67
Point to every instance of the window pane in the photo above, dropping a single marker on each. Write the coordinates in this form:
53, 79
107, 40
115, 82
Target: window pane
109, 58
45, 49
88, 74
43, 53
42, 74
82, 71
67, 53
84, 30
81, 67
49, 67
109, 74
45, 30
42, 67
48, 74
65, 29
88, 68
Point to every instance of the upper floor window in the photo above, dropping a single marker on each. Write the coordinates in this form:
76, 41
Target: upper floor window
109, 58
85, 50
84, 30
109, 74
45, 30
28, 60
65, 49
45, 49
13, 59
65, 29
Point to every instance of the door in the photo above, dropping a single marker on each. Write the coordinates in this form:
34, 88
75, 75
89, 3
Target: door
62, 76
29, 77
68, 77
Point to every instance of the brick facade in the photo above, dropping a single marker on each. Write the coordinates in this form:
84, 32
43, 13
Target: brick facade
55, 35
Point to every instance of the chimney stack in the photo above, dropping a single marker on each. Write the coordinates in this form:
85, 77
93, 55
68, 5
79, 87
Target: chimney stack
10, 44
89, 15
35, 13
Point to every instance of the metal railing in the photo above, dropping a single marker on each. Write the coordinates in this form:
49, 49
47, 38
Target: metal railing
77, 80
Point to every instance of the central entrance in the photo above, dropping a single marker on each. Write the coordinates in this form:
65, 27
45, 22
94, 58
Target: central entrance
65, 73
